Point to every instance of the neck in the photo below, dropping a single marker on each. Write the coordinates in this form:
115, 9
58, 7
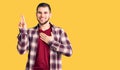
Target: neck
45, 26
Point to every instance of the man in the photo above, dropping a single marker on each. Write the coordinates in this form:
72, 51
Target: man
45, 42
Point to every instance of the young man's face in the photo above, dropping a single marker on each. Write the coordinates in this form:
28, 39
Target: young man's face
43, 15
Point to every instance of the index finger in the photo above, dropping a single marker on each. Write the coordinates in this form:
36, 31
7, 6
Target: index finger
22, 19
43, 34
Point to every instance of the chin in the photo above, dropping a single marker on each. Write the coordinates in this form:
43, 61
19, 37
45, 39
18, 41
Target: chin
42, 23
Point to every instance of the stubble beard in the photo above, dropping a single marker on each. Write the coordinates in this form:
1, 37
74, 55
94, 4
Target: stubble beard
44, 22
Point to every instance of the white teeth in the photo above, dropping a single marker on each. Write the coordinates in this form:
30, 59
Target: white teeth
41, 18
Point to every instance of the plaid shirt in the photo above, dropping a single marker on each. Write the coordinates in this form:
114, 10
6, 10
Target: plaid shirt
27, 40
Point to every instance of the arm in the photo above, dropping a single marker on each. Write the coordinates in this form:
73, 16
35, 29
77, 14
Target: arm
63, 46
23, 40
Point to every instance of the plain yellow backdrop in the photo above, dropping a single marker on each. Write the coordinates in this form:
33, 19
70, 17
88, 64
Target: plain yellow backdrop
93, 27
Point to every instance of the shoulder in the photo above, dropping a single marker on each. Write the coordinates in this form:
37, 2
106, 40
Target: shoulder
58, 29
33, 29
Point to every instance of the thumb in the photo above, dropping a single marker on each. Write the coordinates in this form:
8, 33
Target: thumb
51, 34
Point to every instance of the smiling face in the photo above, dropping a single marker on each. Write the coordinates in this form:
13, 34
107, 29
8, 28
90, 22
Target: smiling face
43, 15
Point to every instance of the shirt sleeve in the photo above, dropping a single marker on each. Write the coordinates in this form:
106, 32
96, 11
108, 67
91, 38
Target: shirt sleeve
23, 41
63, 46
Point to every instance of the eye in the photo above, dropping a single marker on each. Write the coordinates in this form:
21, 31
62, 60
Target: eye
45, 12
39, 12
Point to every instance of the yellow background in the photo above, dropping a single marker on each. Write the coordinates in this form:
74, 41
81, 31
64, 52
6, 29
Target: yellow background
93, 27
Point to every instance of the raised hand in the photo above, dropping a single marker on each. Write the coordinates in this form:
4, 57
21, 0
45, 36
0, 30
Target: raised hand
22, 24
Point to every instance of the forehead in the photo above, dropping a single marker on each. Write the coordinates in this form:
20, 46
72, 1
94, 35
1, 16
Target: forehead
43, 9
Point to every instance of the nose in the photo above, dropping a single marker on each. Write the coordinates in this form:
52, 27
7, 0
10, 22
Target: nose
42, 15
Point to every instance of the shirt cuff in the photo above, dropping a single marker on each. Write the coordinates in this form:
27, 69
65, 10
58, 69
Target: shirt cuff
23, 31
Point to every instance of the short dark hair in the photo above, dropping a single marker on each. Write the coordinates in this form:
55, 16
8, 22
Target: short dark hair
43, 5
